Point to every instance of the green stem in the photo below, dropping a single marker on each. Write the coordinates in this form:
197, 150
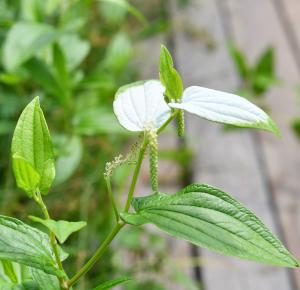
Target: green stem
136, 174
112, 199
171, 118
100, 251
38, 198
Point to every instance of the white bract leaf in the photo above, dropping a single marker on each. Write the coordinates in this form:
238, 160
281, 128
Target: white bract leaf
224, 108
141, 105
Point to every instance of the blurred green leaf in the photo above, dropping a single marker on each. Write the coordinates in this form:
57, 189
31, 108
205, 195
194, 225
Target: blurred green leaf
112, 283
43, 76
118, 53
25, 40
60, 66
240, 61
32, 142
74, 49
61, 229
97, 121
296, 127
131, 9
265, 64
69, 152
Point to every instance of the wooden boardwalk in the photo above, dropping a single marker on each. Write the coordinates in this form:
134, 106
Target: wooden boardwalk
258, 169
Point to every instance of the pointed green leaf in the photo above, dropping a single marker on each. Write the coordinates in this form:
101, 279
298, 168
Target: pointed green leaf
210, 218
26, 245
26, 176
112, 283
265, 65
169, 76
32, 142
224, 108
61, 229
240, 62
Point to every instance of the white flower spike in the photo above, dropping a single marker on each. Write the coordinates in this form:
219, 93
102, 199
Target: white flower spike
141, 105
224, 108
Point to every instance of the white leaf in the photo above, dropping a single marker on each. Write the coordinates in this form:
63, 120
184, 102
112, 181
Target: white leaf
140, 105
224, 108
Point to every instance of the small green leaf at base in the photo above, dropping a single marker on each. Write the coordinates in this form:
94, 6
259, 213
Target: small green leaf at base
61, 229
210, 218
26, 176
112, 283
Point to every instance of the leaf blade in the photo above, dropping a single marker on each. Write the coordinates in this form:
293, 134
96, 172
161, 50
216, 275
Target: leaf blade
112, 283
61, 229
26, 245
210, 218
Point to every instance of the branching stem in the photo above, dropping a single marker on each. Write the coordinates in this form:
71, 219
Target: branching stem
38, 198
120, 224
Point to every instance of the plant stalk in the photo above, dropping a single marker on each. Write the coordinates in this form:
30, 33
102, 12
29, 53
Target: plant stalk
38, 198
100, 251
112, 199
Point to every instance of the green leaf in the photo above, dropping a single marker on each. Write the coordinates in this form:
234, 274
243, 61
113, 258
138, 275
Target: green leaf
169, 76
43, 76
45, 281
118, 53
69, 153
60, 65
265, 65
74, 49
32, 142
26, 245
26, 176
97, 121
61, 229
225, 108
112, 283
240, 62
25, 40
210, 218
131, 9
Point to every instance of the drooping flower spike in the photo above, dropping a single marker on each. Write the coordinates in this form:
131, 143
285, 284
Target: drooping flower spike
141, 107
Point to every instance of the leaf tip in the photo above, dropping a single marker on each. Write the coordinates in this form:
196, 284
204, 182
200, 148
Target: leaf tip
272, 127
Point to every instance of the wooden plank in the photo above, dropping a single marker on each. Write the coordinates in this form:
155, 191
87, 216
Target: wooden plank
228, 161
281, 157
